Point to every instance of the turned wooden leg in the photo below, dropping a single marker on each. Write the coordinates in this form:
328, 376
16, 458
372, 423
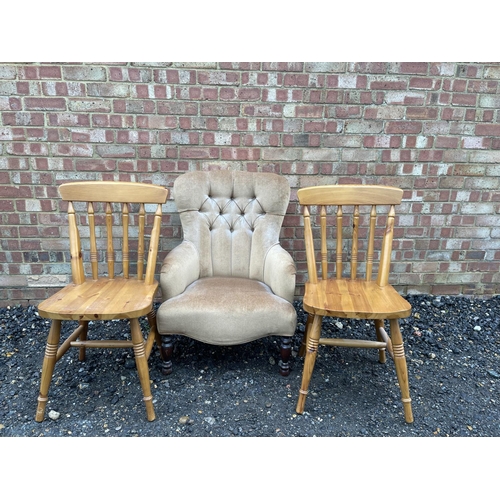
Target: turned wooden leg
153, 333
166, 350
49, 362
83, 337
286, 350
401, 369
379, 323
302, 350
142, 367
311, 353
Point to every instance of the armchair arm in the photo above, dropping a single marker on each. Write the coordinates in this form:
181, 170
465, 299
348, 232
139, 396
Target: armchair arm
180, 268
279, 272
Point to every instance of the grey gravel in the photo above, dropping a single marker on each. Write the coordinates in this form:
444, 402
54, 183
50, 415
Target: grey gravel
453, 352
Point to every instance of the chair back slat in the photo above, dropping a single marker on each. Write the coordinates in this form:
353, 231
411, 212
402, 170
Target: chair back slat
309, 242
338, 260
93, 242
153, 247
371, 242
324, 252
385, 257
359, 203
125, 249
140, 248
104, 201
354, 251
110, 249
75, 247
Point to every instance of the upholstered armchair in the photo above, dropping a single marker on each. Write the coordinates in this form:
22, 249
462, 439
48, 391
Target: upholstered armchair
229, 281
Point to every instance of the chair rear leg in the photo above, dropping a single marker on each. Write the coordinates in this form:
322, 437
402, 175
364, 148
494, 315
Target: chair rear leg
49, 362
401, 369
285, 351
166, 350
379, 323
83, 337
142, 367
303, 347
314, 333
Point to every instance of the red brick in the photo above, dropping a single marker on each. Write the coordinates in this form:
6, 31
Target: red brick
487, 129
400, 127
44, 103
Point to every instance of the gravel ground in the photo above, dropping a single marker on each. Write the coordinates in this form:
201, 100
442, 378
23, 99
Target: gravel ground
453, 354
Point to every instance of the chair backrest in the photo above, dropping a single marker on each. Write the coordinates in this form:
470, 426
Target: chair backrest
369, 207
104, 201
232, 217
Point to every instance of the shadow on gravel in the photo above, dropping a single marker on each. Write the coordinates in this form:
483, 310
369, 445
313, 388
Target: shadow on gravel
453, 352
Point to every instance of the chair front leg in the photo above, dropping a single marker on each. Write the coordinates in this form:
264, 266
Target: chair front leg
49, 362
142, 367
313, 335
401, 369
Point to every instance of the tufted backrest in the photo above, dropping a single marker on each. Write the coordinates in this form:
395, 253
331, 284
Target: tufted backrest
233, 218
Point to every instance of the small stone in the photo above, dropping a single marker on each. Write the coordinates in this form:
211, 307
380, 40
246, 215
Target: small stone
272, 360
494, 374
184, 420
432, 355
54, 415
477, 328
339, 325
210, 420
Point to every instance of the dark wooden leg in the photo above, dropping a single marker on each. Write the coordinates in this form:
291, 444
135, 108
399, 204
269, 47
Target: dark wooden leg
286, 350
49, 362
166, 350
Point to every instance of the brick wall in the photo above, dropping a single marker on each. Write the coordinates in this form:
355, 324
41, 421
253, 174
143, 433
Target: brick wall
432, 129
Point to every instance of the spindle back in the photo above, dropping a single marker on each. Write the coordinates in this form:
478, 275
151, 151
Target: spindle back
365, 205
105, 201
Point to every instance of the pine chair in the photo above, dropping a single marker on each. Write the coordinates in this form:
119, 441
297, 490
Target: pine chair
353, 296
229, 281
114, 296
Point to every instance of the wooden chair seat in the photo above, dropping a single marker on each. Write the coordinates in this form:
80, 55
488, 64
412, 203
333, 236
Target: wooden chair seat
346, 298
101, 299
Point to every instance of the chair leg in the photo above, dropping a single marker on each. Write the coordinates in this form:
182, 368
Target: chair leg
313, 335
153, 335
401, 369
302, 350
166, 350
379, 323
286, 350
142, 367
49, 362
83, 337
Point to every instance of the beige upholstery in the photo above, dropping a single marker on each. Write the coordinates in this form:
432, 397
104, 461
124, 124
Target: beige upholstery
229, 281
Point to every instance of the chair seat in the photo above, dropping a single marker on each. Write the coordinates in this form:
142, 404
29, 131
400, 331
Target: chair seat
347, 298
101, 299
227, 311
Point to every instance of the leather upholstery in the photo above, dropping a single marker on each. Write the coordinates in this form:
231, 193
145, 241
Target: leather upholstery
229, 281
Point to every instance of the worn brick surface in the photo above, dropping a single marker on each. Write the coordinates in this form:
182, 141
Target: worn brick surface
432, 129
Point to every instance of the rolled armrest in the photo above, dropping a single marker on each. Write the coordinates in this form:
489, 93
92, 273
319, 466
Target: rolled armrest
180, 268
279, 272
